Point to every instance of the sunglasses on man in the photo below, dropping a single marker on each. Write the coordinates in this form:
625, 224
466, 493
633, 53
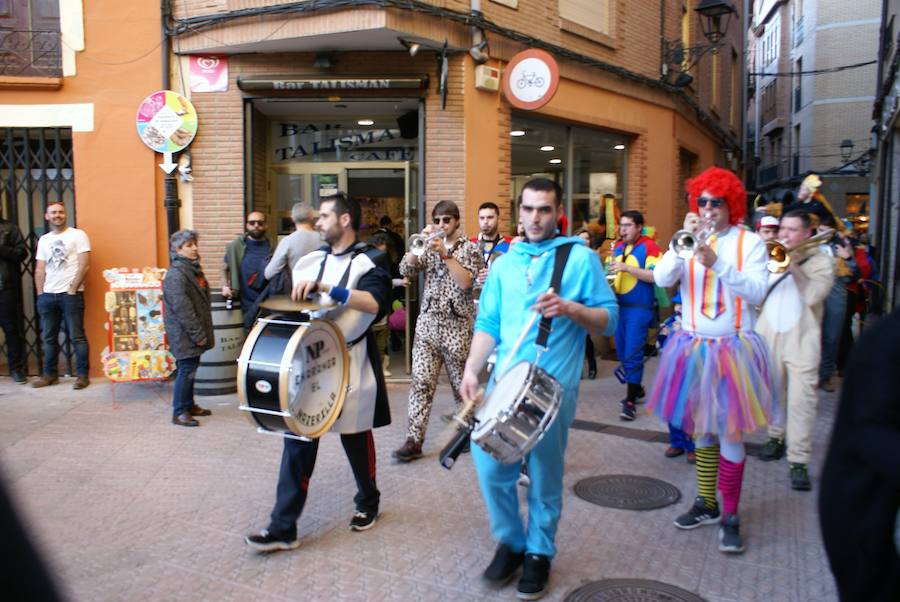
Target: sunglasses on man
256, 222
715, 203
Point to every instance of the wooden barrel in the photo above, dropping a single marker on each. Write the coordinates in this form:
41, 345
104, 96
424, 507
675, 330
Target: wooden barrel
217, 374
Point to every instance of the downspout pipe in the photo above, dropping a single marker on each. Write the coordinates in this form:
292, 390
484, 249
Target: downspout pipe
171, 202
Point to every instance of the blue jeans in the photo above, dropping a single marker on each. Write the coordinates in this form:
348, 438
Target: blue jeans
53, 309
183, 391
832, 325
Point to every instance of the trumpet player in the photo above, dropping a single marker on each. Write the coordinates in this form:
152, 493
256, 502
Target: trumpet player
715, 378
790, 322
634, 257
444, 327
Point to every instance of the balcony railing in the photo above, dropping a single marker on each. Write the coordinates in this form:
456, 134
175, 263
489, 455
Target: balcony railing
30, 53
768, 174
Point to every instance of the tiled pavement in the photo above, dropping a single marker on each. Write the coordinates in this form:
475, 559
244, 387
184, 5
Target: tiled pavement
126, 506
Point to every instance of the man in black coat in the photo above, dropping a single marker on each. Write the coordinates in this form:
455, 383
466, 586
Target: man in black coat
188, 319
12, 254
860, 494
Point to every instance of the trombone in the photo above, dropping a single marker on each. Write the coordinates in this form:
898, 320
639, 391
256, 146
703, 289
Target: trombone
780, 255
419, 243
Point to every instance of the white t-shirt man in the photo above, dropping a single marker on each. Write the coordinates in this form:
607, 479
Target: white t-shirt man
60, 252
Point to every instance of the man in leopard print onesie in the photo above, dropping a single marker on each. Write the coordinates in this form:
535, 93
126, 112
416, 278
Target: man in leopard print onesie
444, 328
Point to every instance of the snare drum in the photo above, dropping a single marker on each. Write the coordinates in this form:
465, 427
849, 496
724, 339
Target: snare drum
517, 413
293, 375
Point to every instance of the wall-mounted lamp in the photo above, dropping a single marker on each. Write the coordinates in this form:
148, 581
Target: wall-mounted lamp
715, 16
411, 47
846, 148
324, 60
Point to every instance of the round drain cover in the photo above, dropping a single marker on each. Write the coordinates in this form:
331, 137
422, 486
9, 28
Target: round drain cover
627, 492
631, 590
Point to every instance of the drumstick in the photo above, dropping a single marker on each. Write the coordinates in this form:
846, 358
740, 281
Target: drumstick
456, 433
534, 316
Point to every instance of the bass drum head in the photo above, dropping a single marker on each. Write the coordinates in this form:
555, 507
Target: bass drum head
314, 377
504, 394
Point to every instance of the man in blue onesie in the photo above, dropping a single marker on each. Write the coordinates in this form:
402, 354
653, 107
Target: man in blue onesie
633, 259
584, 304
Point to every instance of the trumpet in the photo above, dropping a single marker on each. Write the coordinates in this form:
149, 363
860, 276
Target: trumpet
780, 255
685, 242
419, 243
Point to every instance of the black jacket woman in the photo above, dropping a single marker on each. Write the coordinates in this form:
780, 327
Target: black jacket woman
188, 321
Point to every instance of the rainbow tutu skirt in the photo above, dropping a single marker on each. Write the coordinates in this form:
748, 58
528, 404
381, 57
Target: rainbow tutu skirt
717, 385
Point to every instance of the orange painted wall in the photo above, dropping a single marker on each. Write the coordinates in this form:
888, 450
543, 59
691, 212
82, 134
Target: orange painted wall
116, 176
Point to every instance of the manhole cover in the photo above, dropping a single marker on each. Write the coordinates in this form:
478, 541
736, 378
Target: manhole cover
628, 492
631, 590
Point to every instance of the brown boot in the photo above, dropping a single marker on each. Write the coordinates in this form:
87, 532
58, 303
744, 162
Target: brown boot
45, 381
198, 411
81, 382
184, 419
409, 451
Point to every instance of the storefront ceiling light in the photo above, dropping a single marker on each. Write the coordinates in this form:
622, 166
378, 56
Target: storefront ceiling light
547, 148
555, 161
619, 147
365, 122
517, 133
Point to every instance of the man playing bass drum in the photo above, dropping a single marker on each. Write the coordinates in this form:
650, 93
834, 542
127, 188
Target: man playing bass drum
353, 277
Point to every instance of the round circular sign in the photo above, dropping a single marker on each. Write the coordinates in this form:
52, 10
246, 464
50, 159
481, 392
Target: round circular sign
166, 121
530, 79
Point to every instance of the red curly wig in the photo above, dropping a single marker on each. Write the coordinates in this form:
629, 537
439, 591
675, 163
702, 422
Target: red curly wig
720, 183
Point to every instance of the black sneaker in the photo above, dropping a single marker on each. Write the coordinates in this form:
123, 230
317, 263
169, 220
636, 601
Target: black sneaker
730, 540
772, 450
504, 565
269, 542
535, 574
627, 411
698, 515
800, 478
363, 520
19, 377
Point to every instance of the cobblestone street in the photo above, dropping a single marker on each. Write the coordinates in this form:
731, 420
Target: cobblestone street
126, 506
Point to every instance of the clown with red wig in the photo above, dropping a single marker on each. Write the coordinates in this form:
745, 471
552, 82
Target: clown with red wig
715, 379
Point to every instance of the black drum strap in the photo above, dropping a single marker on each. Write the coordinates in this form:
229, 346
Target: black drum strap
559, 264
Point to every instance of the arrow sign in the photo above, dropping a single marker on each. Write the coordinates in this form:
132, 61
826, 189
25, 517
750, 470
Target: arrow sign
167, 165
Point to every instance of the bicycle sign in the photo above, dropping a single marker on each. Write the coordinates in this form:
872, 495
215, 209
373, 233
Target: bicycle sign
530, 79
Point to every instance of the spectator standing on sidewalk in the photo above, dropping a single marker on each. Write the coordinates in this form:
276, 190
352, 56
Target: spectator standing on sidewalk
304, 239
245, 262
63, 260
188, 319
12, 253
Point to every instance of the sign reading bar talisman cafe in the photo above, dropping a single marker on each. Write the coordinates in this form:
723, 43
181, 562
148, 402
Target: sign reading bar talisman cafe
317, 141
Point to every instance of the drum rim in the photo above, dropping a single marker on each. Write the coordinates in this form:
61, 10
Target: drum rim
243, 362
524, 387
283, 378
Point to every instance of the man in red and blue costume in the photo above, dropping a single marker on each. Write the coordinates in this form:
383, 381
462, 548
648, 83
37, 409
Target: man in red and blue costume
634, 257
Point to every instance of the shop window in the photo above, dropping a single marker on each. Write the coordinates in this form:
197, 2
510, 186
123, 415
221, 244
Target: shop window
589, 164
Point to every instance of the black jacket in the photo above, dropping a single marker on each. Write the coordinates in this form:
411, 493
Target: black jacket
12, 253
859, 497
186, 302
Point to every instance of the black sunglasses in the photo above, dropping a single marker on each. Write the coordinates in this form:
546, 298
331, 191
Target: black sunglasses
256, 222
442, 219
708, 202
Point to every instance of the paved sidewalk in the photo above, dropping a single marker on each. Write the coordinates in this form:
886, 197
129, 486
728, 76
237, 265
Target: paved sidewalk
127, 506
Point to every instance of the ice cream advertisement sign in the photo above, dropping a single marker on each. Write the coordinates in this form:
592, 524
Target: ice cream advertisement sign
166, 121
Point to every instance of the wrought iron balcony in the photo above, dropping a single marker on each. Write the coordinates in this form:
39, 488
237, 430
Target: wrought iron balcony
30, 53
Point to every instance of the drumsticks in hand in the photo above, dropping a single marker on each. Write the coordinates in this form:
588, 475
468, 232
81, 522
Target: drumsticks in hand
456, 435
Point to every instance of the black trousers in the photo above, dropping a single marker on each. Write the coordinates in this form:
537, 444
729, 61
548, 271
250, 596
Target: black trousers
298, 459
11, 323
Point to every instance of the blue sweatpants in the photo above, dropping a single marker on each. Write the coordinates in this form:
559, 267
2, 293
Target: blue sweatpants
631, 338
546, 464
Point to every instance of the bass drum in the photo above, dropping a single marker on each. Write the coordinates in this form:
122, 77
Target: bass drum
293, 375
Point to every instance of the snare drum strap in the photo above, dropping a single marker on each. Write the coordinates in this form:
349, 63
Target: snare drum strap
559, 264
